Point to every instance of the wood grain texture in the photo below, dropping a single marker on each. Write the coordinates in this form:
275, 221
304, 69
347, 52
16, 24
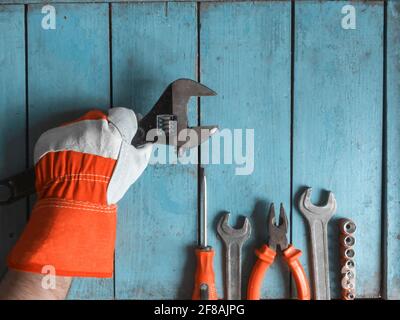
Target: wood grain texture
154, 44
68, 73
338, 128
12, 120
392, 272
245, 58
110, 1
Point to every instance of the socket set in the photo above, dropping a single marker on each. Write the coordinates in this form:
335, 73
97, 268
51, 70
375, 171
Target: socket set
347, 240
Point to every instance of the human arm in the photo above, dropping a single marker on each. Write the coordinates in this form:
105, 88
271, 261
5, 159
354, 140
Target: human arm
17, 285
82, 170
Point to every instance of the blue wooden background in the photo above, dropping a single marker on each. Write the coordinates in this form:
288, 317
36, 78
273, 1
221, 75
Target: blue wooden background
324, 103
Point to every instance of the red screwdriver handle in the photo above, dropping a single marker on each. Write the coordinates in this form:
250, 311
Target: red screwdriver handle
291, 256
204, 274
266, 257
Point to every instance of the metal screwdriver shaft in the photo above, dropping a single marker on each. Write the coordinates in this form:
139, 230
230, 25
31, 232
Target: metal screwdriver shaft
204, 282
204, 212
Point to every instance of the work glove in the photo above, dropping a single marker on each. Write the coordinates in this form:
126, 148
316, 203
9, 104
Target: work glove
83, 168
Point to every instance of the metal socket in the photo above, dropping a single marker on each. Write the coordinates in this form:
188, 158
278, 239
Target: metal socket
347, 254
347, 226
348, 294
347, 241
345, 270
348, 283
350, 264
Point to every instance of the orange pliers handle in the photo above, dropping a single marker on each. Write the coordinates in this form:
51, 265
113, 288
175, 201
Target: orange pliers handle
204, 274
266, 257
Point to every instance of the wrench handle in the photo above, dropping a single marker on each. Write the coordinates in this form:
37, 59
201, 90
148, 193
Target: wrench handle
291, 256
17, 187
320, 259
266, 257
204, 276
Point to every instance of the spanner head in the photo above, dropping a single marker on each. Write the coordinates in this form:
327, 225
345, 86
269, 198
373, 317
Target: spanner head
229, 234
169, 118
311, 211
182, 90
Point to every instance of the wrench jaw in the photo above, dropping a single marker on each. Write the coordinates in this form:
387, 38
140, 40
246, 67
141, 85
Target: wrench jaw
194, 137
226, 231
167, 121
189, 137
223, 227
189, 88
310, 211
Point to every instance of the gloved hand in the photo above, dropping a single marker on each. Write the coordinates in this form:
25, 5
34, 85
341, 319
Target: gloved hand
83, 169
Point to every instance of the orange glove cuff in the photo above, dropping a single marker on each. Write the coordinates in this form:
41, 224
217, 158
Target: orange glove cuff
82, 170
75, 237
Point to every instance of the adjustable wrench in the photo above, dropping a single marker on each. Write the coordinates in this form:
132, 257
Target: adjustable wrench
169, 117
233, 240
318, 218
166, 123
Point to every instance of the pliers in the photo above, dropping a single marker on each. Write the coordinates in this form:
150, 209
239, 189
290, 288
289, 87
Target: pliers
267, 253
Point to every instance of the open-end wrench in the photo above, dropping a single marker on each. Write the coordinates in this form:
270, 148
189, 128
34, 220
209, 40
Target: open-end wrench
318, 218
233, 240
165, 123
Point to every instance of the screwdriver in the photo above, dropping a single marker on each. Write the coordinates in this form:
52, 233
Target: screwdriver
204, 281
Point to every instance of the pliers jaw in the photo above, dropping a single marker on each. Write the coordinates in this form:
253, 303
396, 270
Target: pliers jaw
277, 231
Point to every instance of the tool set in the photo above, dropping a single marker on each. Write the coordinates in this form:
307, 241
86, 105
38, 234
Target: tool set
317, 218
167, 123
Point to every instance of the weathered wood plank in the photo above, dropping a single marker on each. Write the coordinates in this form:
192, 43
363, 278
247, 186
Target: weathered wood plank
110, 1
337, 112
12, 120
245, 57
392, 272
338, 127
68, 73
154, 44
